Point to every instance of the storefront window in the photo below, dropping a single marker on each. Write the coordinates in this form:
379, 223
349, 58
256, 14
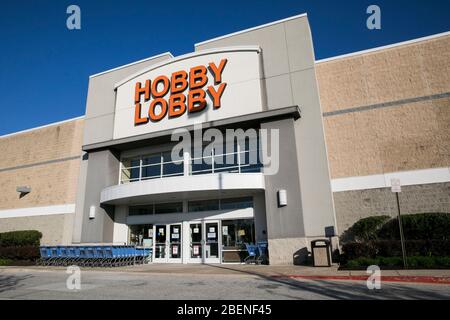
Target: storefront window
222, 204
242, 157
174, 207
203, 205
236, 203
235, 233
140, 210
141, 235
152, 166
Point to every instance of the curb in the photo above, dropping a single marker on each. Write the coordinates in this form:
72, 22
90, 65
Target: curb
442, 280
407, 279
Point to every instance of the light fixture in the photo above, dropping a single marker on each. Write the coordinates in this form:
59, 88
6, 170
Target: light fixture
282, 198
92, 212
23, 189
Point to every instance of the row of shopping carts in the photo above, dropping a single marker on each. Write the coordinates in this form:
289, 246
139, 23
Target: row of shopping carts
94, 256
257, 253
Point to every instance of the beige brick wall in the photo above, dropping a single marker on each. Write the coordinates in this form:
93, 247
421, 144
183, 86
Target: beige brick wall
49, 143
406, 71
51, 183
408, 137
402, 137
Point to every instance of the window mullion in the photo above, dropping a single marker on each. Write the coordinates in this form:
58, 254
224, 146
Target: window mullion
212, 158
120, 171
161, 166
140, 168
239, 157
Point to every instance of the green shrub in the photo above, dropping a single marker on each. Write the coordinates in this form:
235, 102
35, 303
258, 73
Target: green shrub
393, 248
364, 229
6, 262
20, 253
362, 263
354, 250
443, 261
20, 238
390, 261
414, 262
422, 226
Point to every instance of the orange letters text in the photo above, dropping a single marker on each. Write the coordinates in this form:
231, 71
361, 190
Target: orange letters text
182, 91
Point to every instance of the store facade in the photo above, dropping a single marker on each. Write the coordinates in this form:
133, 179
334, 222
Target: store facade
110, 176
192, 155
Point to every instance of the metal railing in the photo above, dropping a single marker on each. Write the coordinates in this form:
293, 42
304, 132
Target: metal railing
214, 163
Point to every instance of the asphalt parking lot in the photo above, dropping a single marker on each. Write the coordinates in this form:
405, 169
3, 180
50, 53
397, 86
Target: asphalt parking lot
44, 284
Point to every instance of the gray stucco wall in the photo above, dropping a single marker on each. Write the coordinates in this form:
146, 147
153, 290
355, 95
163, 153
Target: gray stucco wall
290, 79
259, 205
100, 105
284, 222
102, 171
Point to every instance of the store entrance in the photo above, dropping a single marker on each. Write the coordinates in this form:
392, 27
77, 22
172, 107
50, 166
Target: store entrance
212, 246
200, 244
203, 242
168, 243
196, 241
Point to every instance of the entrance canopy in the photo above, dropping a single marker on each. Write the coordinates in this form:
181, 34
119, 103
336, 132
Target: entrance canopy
182, 188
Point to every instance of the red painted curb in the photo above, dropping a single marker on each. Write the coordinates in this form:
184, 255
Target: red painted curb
411, 279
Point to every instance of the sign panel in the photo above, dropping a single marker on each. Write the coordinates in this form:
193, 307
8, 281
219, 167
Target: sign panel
195, 88
211, 235
196, 250
396, 186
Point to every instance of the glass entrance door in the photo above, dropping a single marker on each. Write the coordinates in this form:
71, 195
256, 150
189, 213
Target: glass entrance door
212, 245
195, 242
168, 243
175, 242
160, 233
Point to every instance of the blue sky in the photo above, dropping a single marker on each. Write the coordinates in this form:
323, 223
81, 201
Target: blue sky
44, 67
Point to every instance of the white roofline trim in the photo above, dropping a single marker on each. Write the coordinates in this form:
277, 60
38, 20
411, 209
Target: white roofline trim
443, 34
251, 29
41, 127
37, 211
187, 56
407, 178
132, 63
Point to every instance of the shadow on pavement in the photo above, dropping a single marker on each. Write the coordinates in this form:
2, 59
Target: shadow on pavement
11, 282
344, 290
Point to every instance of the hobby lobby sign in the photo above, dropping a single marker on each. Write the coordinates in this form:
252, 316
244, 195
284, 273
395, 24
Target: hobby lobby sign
183, 91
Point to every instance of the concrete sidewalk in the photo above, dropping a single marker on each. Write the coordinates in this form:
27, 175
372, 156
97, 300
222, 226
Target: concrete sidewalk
299, 272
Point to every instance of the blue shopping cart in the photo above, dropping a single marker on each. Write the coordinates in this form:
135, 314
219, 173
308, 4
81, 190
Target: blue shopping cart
263, 257
252, 253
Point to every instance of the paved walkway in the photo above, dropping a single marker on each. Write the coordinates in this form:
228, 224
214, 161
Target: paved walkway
301, 272
48, 284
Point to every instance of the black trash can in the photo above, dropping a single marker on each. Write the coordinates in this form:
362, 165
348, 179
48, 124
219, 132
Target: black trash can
321, 253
